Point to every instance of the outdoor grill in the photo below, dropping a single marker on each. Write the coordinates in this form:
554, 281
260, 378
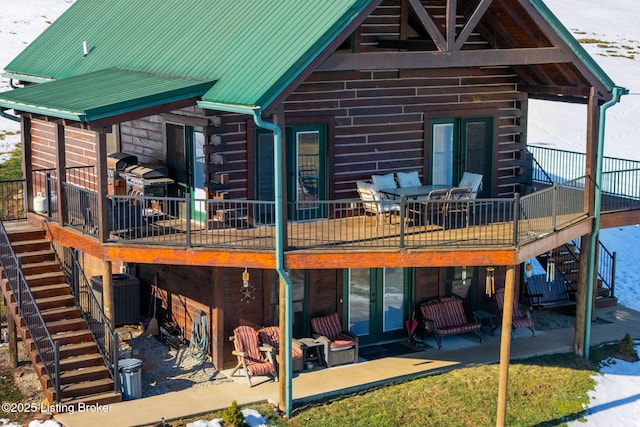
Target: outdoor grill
147, 180
117, 163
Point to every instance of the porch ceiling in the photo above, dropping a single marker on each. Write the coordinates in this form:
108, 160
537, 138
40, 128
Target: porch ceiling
102, 94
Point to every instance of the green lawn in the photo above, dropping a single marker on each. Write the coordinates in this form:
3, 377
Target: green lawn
543, 391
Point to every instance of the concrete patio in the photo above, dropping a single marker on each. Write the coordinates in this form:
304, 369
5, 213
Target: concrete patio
613, 323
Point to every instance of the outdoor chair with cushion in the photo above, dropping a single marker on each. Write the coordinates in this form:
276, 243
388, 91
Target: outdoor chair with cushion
473, 181
519, 319
339, 346
383, 182
270, 336
408, 179
253, 359
373, 203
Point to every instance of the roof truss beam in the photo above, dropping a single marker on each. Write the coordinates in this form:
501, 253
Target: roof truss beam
431, 60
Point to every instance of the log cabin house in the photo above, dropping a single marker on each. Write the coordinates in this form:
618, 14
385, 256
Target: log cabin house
197, 141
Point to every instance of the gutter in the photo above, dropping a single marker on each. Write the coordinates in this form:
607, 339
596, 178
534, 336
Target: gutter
279, 224
617, 92
9, 116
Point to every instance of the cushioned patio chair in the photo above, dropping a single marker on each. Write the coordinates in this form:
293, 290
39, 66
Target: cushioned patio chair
270, 336
339, 346
473, 181
374, 203
254, 359
519, 319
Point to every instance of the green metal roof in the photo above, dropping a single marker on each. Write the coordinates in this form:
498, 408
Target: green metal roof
101, 94
250, 47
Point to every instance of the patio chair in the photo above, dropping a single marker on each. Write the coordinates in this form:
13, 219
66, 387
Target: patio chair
270, 336
456, 210
374, 203
473, 181
435, 207
519, 319
408, 179
383, 182
339, 346
254, 359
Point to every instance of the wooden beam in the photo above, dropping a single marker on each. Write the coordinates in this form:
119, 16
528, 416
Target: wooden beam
432, 60
429, 25
180, 256
103, 211
27, 164
555, 91
107, 294
553, 240
505, 346
218, 317
619, 219
354, 259
451, 25
471, 24
61, 172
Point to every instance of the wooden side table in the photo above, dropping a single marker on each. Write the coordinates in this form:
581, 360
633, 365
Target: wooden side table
486, 319
312, 351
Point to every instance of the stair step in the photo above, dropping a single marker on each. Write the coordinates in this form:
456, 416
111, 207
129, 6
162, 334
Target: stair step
60, 313
37, 256
49, 278
90, 373
81, 361
99, 399
85, 388
51, 290
26, 233
30, 246
46, 266
66, 325
55, 302
72, 338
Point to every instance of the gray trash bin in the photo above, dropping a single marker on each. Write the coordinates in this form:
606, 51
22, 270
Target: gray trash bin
130, 378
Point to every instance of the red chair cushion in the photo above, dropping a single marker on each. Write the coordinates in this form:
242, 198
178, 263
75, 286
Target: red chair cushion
329, 326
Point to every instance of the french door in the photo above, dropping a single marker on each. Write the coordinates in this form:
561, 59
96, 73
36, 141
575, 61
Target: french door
186, 162
377, 301
306, 171
462, 145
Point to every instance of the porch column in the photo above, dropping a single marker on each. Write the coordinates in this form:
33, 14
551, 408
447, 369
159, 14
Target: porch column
505, 345
27, 167
282, 368
582, 299
218, 318
61, 172
107, 293
103, 212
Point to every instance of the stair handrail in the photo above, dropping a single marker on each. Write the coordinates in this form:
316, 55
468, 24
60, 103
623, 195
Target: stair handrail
606, 263
48, 349
103, 334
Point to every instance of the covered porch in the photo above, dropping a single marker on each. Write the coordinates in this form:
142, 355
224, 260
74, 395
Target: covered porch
316, 385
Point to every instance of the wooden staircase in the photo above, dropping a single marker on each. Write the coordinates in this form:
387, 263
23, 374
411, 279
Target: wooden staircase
567, 261
83, 374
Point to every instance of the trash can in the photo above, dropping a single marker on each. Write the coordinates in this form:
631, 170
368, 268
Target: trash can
130, 378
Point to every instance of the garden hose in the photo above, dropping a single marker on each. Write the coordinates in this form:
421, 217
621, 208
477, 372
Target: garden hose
199, 336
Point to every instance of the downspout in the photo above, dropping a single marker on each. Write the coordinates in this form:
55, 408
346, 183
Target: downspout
9, 116
279, 185
617, 92
279, 225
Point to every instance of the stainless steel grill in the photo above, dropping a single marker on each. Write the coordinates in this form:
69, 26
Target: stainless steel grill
147, 180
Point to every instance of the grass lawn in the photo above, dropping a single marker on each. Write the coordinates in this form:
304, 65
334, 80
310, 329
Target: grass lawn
543, 391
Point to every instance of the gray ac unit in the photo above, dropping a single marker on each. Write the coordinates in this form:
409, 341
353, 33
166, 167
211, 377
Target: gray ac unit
126, 297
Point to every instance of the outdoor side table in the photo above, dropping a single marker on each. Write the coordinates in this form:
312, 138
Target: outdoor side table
312, 351
486, 319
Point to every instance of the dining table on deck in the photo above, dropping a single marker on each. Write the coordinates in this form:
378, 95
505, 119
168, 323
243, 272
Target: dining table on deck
413, 192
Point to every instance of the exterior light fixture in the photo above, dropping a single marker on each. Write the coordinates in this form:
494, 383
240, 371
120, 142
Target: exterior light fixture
528, 270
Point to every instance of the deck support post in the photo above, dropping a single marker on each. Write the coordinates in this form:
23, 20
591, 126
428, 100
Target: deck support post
13, 338
107, 293
505, 345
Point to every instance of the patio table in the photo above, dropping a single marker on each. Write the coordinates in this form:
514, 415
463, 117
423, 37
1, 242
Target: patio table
413, 192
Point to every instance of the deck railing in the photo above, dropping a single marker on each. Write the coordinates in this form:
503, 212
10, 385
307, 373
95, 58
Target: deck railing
47, 348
